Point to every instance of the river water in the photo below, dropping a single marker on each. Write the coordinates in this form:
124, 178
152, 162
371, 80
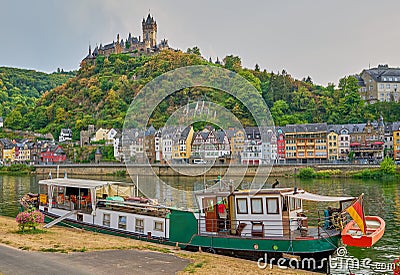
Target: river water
381, 198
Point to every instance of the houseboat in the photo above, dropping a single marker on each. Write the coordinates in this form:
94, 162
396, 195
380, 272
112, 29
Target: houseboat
234, 222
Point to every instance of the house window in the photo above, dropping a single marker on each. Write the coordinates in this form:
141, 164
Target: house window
158, 226
106, 219
241, 206
387, 86
272, 206
381, 86
122, 222
256, 206
139, 225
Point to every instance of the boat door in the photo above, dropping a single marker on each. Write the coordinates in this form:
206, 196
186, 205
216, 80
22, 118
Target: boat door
285, 215
210, 211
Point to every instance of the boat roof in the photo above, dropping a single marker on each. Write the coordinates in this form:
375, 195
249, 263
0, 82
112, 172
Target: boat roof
80, 183
266, 191
289, 192
314, 197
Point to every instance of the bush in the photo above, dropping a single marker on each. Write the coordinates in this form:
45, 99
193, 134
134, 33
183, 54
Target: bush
307, 173
388, 166
328, 173
368, 174
29, 219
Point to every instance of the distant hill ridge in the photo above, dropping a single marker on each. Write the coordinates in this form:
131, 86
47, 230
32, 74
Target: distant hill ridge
101, 91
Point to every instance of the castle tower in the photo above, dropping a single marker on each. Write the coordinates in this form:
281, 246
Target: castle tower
118, 48
149, 27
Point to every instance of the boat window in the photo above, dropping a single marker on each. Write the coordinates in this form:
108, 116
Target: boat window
106, 219
298, 204
158, 226
122, 222
272, 206
256, 206
241, 206
292, 204
139, 225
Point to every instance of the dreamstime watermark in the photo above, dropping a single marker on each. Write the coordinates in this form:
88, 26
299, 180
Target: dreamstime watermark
176, 131
341, 262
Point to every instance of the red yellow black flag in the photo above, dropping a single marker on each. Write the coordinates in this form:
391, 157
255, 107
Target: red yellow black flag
356, 211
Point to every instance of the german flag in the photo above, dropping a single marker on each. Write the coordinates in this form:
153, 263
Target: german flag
356, 211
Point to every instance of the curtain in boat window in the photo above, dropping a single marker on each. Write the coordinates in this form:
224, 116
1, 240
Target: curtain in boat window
256, 206
272, 206
241, 206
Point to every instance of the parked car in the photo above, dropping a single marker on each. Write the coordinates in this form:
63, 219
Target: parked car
199, 161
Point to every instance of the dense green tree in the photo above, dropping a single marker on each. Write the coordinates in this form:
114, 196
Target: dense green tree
14, 120
194, 50
233, 63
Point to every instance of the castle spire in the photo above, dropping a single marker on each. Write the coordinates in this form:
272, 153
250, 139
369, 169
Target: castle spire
90, 49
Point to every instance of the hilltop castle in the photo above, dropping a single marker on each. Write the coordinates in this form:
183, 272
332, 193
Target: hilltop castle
132, 45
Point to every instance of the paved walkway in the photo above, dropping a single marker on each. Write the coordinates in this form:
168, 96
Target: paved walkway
14, 261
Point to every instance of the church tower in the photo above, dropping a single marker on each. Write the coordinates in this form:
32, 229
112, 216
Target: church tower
149, 27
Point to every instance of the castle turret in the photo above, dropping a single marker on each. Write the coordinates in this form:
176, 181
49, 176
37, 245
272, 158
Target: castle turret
149, 27
118, 47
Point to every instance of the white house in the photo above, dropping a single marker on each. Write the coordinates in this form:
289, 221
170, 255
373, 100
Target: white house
269, 147
110, 135
252, 152
1, 122
65, 135
166, 143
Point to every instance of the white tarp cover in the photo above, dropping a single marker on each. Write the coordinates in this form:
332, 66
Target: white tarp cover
80, 183
314, 197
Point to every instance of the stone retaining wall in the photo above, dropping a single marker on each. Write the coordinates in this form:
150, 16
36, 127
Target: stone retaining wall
164, 170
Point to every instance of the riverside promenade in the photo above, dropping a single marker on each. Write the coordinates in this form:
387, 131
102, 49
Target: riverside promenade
277, 170
94, 262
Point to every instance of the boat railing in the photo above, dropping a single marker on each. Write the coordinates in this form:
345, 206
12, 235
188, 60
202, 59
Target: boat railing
298, 227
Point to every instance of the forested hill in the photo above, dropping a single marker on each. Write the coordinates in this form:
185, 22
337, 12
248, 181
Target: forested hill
20, 89
101, 93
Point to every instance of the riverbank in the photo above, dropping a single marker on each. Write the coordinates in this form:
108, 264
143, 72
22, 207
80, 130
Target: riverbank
278, 170
66, 240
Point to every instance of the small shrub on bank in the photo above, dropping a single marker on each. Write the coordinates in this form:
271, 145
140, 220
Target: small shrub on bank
307, 173
368, 174
388, 166
328, 173
17, 169
29, 219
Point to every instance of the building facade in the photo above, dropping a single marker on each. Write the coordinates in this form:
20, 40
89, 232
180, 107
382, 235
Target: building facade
306, 143
380, 84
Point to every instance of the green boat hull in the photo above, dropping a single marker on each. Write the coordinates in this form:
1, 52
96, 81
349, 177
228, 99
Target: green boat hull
298, 247
185, 236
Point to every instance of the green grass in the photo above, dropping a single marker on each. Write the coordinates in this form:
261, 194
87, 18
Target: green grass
158, 249
53, 250
83, 249
191, 268
31, 231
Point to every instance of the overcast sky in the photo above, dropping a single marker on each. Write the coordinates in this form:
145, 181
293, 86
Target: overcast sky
323, 39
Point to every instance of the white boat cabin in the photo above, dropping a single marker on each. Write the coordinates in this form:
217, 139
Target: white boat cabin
273, 212
112, 205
